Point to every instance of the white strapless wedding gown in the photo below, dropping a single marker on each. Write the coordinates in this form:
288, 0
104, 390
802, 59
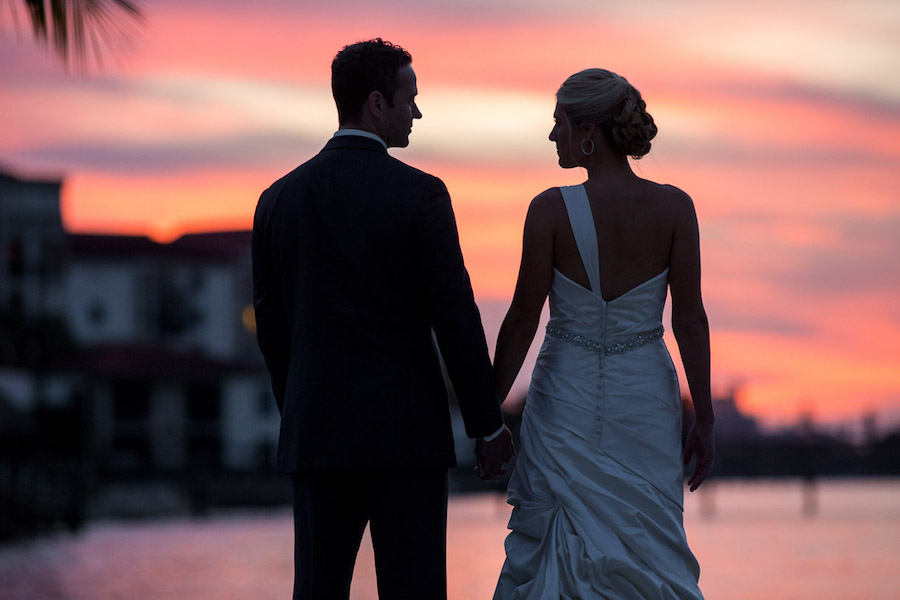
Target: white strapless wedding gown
597, 488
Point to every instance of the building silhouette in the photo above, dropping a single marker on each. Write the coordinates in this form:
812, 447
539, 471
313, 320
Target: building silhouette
151, 345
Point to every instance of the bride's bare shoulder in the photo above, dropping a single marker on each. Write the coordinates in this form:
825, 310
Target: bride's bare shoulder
549, 196
547, 204
667, 198
662, 191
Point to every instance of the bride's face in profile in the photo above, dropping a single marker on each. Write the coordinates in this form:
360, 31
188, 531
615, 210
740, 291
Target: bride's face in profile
561, 134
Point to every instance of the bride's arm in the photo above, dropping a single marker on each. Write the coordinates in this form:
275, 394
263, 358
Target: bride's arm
691, 328
532, 287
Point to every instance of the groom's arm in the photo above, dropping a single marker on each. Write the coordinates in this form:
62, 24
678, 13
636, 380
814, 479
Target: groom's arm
272, 331
454, 316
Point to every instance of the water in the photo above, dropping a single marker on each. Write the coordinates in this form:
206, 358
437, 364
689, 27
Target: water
754, 541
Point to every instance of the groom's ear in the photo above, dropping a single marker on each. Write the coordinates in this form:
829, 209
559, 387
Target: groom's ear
375, 103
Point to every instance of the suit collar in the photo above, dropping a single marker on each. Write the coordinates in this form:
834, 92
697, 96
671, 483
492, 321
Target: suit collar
354, 142
360, 133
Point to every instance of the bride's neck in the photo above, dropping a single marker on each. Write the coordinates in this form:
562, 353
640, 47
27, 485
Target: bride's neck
609, 167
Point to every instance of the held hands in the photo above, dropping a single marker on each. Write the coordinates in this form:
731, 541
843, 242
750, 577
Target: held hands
700, 442
491, 456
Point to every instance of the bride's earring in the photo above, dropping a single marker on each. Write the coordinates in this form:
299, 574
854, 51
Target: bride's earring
587, 152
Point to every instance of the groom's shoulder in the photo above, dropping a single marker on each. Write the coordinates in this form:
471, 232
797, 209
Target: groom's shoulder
409, 170
414, 174
375, 167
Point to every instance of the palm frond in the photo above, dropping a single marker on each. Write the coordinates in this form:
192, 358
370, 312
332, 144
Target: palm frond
77, 30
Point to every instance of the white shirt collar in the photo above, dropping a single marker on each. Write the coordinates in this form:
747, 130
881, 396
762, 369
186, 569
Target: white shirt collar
361, 133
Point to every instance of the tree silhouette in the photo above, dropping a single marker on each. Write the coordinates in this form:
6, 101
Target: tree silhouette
78, 29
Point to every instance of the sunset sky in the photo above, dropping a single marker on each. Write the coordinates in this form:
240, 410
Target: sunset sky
781, 120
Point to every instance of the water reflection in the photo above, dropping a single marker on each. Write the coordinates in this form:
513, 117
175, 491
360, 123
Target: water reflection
752, 539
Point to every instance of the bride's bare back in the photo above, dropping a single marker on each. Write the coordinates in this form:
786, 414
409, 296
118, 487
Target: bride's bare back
642, 228
635, 227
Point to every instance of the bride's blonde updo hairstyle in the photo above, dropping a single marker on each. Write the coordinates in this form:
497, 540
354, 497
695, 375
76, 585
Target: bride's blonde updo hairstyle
602, 98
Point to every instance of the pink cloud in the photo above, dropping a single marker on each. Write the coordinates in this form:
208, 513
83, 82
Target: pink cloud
790, 180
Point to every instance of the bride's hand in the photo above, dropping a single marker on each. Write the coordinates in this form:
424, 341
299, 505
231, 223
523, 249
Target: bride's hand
702, 444
491, 456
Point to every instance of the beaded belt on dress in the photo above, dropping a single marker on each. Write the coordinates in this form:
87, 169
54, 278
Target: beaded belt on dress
630, 343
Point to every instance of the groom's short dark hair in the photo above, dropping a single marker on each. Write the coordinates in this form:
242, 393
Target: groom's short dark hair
362, 68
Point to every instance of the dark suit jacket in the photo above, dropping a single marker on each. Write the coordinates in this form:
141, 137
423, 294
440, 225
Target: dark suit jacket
356, 259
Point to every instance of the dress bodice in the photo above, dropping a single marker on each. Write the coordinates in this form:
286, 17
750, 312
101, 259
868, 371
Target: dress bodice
634, 317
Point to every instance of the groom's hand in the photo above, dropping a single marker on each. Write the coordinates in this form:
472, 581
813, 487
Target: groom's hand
491, 456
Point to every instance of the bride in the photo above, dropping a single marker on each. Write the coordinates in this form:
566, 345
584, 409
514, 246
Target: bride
597, 489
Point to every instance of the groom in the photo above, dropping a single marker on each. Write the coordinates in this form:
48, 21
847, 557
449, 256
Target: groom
356, 261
